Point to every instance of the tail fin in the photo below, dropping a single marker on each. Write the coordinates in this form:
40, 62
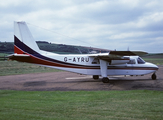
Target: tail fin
23, 39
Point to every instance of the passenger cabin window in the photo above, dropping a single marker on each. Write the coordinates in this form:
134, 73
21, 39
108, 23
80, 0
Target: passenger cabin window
95, 61
140, 60
132, 61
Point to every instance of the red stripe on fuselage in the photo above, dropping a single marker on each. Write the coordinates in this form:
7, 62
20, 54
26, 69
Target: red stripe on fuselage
45, 62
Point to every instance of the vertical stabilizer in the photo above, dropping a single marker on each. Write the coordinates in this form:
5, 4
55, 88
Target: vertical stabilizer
23, 39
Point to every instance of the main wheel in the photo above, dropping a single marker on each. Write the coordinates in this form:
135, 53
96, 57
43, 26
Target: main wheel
153, 76
105, 80
95, 77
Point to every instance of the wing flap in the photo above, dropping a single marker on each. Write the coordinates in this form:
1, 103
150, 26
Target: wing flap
18, 55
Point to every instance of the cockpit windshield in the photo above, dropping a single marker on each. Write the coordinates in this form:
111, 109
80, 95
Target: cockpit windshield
140, 60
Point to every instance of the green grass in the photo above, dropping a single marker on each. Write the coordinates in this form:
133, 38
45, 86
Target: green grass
2, 56
157, 61
81, 105
14, 67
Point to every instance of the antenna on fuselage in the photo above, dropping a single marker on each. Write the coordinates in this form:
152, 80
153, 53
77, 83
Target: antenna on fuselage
128, 49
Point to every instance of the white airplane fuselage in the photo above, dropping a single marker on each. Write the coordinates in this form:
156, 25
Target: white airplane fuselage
85, 64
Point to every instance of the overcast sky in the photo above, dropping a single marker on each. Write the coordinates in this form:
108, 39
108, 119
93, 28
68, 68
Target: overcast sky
109, 24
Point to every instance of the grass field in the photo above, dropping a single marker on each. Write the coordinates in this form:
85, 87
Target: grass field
3, 56
81, 105
14, 67
157, 61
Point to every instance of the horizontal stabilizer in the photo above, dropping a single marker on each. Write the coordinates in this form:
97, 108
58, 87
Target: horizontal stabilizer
19, 57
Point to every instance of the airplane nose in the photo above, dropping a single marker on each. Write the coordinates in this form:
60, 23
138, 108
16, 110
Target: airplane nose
155, 66
152, 66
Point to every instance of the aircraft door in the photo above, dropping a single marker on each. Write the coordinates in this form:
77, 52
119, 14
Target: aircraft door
130, 65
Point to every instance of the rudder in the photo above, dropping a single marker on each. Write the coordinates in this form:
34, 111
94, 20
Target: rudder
23, 39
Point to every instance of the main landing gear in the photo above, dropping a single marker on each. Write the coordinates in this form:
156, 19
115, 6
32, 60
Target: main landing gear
104, 79
154, 77
95, 77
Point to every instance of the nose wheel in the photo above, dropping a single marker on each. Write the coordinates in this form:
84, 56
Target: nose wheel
154, 77
105, 80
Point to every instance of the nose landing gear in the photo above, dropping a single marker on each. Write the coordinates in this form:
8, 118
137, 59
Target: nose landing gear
154, 77
105, 80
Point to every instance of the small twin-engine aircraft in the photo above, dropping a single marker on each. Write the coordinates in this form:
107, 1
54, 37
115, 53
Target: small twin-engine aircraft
101, 64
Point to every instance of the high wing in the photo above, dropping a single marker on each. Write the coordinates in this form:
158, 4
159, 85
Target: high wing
128, 53
117, 57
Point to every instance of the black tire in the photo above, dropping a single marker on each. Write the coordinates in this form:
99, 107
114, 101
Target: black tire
154, 77
95, 77
105, 80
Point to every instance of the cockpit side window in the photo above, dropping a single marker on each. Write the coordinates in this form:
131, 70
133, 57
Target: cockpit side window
132, 61
140, 60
